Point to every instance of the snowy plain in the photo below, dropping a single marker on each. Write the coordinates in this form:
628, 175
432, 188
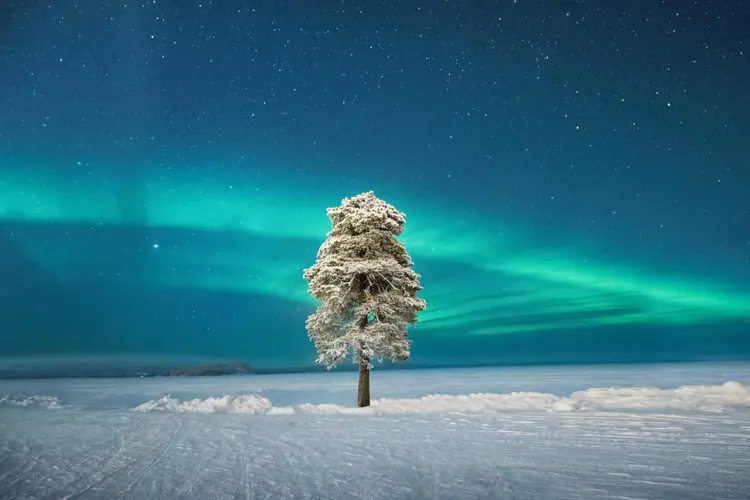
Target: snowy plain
678, 431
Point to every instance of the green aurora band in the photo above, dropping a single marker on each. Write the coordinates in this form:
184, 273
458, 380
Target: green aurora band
492, 281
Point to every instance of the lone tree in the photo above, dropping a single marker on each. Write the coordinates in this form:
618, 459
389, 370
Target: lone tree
365, 287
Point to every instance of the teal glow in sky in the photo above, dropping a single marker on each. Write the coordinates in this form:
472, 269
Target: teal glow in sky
570, 195
484, 277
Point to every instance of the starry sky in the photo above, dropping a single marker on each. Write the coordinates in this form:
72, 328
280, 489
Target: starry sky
575, 174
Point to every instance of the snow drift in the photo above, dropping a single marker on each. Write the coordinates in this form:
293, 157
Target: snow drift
689, 397
224, 404
44, 401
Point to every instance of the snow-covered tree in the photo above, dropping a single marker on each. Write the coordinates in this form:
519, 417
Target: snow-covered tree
365, 288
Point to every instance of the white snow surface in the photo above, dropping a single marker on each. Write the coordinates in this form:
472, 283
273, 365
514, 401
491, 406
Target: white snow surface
614, 432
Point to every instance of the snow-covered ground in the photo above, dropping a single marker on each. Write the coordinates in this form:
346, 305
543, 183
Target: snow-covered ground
626, 432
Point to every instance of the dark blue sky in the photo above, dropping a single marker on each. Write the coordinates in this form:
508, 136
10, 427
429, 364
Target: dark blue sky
575, 174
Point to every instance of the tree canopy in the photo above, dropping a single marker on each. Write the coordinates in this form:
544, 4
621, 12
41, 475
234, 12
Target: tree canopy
365, 286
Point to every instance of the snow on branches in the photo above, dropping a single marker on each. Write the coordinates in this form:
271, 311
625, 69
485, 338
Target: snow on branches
363, 281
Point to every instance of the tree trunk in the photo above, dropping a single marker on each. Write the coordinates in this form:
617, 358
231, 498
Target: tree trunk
363, 389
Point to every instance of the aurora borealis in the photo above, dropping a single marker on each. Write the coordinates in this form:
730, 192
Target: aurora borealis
570, 195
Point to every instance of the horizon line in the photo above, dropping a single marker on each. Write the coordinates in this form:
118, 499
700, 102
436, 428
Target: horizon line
91, 371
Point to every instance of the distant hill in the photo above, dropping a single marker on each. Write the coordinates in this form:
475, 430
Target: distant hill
232, 368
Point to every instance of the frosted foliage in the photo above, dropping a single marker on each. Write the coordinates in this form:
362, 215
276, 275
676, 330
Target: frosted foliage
364, 213
363, 281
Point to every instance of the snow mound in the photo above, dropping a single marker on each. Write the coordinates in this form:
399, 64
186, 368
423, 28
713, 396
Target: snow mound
687, 397
224, 404
50, 402
695, 397
471, 403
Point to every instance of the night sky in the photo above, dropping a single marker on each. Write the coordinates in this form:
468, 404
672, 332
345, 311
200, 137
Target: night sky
575, 174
